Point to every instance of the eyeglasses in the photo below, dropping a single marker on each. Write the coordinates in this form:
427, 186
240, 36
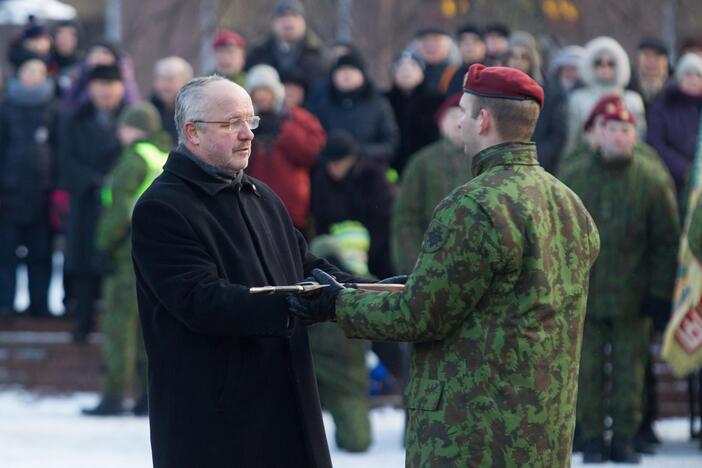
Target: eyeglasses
252, 122
604, 63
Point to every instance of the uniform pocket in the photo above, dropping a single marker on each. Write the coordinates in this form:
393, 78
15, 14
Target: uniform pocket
424, 394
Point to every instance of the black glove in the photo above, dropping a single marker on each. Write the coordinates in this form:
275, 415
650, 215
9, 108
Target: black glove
658, 310
399, 279
319, 307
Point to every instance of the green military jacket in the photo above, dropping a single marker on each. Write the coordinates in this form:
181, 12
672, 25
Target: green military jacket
633, 205
495, 305
432, 173
124, 181
694, 231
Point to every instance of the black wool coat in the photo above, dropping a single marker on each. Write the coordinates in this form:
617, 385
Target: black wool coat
231, 380
87, 152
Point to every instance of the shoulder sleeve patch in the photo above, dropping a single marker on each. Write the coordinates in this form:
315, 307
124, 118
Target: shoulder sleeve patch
435, 237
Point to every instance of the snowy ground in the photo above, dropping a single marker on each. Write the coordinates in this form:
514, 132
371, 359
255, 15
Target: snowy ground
48, 432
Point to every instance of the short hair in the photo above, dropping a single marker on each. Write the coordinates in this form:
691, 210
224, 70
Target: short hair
175, 64
190, 102
514, 120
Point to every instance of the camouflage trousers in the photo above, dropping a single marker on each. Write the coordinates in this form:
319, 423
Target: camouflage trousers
629, 339
122, 345
342, 377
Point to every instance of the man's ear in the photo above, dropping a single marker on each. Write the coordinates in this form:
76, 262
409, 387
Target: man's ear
192, 134
485, 121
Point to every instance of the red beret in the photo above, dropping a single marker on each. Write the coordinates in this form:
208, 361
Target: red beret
502, 83
451, 101
226, 37
619, 113
600, 108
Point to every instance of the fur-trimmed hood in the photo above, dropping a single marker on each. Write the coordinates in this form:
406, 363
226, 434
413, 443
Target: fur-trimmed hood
597, 46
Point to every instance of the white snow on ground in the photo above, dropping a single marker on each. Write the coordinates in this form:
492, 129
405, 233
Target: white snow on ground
48, 432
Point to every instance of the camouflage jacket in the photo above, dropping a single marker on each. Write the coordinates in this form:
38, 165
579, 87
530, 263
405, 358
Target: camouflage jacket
633, 205
495, 305
431, 174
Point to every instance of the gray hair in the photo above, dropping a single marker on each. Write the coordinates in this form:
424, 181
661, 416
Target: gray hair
175, 65
191, 104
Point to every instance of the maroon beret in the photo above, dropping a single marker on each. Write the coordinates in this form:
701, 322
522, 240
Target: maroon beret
502, 83
451, 101
226, 37
601, 107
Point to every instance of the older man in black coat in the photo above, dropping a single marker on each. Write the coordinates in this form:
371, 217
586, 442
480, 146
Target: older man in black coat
231, 380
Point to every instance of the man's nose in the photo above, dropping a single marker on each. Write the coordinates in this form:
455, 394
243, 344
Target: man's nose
246, 133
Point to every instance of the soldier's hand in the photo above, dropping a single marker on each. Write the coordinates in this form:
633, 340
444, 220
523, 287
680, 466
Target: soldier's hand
399, 279
320, 307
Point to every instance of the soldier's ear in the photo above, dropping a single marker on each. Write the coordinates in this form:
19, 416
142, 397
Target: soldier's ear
484, 121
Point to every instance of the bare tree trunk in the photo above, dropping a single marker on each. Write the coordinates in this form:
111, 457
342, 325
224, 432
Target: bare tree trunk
669, 27
208, 26
344, 20
113, 20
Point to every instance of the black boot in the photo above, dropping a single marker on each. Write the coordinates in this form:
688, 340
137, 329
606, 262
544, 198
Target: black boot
141, 407
594, 450
108, 406
623, 451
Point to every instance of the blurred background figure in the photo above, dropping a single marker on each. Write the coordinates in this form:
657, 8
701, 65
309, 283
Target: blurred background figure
433, 46
230, 56
497, 42
291, 44
34, 41
144, 153
551, 131
88, 149
413, 105
350, 102
675, 120
564, 70
296, 88
286, 145
471, 43
27, 175
430, 175
350, 189
651, 70
170, 74
65, 52
605, 70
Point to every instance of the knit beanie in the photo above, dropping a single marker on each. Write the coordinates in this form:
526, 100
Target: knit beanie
569, 56
142, 116
689, 63
340, 144
288, 6
265, 76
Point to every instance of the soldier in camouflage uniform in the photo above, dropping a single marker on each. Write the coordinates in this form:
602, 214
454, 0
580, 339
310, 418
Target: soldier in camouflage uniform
431, 174
139, 130
633, 204
496, 301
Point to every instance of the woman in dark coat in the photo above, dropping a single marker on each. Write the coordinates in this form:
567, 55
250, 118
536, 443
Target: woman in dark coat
88, 148
674, 119
351, 103
414, 106
27, 117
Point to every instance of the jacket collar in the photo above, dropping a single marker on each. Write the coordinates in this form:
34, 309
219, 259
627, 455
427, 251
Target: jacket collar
513, 153
183, 167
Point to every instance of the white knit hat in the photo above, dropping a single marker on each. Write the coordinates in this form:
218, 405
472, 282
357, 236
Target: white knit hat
265, 76
689, 63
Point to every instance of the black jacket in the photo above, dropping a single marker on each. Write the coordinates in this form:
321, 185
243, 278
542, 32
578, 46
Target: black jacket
551, 128
310, 57
27, 162
231, 381
88, 149
364, 195
365, 114
415, 115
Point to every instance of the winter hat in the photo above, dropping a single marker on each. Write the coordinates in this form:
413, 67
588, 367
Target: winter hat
295, 76
502, 83
470, 28
407, 55
689, 63
340, 144
226, 37
288, 6
526, 40
605, 45
265, 76
610, 102
569, 56
449, 102
34, 30
654, 43
497, 28
105, 72
431, 30
350, 60
142, 116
